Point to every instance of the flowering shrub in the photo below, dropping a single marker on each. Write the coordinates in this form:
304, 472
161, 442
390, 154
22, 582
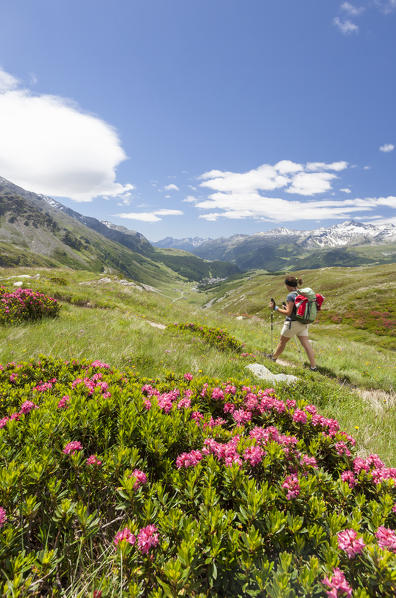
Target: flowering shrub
213, 336
25, 304
186, 486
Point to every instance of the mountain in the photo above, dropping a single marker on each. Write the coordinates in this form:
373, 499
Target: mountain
187, 244
38, 230
344, 244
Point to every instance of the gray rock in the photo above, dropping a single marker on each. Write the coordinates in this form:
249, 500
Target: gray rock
260, 371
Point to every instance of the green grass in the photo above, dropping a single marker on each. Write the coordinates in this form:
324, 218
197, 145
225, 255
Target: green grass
111, 322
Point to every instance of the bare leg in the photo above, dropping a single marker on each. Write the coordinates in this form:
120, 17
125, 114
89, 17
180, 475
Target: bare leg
304, 340
279, 349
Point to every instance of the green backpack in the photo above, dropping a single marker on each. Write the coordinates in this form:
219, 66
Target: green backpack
307, 304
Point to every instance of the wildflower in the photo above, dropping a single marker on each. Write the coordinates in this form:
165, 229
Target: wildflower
140, 478
254, 455
4, 421
241, 416
386, 538
147, 538
190, 459
99, 364
72, 447
126, 535
3, 517
300, 416
348, 477
27, 406
64, 402
292, 485
197, 416
338, 585
229, 408
188, 376
310, 461
342, 449
184, 403
93, 460
217, 394
350, 543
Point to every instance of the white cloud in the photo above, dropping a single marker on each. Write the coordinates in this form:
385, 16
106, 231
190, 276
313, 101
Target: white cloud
346, 190
7, 81
190, 199
305, 183
346, 27
387, 147
352, 10
154, 216
386, 6
171, 187
337, 166
287, 167
49, 145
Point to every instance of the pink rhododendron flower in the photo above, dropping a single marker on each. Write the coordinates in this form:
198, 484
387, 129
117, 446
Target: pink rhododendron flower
204, 389
241, 416
290, 403
359, 464
190, 459
197, 416
72, 447
147, 538
184, 403
394, 508
386, 538
251, 401
338, 585
27, 406
126, 535
147, 404
350, 543
300, 416
229, 408
4, 421
217, 394
3, 516
291, 484
254, 455
93, 460
99, 364
230, 389
342, 449
15, 416
140, 478
311, 409
310, 461
64, 402
348, 477
385, 473
188, 376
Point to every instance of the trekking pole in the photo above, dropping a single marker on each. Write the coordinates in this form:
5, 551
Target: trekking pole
272, 329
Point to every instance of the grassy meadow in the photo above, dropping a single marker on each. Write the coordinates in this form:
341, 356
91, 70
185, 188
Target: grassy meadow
130, 326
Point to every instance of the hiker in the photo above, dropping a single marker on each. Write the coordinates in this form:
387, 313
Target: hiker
292, 327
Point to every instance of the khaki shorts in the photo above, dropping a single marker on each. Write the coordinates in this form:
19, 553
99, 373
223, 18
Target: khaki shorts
296, 329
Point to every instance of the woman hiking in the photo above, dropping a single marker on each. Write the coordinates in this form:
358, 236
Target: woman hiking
292, 327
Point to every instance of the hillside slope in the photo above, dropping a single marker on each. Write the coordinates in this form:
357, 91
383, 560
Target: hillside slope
37, 230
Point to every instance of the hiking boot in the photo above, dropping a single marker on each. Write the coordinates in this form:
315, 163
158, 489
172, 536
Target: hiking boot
270, 356
315, 369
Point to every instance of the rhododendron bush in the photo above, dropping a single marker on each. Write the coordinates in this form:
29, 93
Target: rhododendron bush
25, 304
213, 336
115, 485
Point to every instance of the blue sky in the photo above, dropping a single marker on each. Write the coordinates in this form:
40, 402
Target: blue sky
207, 118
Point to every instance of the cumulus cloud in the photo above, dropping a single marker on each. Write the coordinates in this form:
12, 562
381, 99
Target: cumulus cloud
171, 187
49, 145
238, 196
387, 147
308, 179
277, 209
154, 216
346, 27
386, 6
190, 199
351, 9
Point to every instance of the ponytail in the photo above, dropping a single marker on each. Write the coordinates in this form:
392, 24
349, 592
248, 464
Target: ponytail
292, 281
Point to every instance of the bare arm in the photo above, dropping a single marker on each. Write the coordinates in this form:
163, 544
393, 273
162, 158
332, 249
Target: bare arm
287, 311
